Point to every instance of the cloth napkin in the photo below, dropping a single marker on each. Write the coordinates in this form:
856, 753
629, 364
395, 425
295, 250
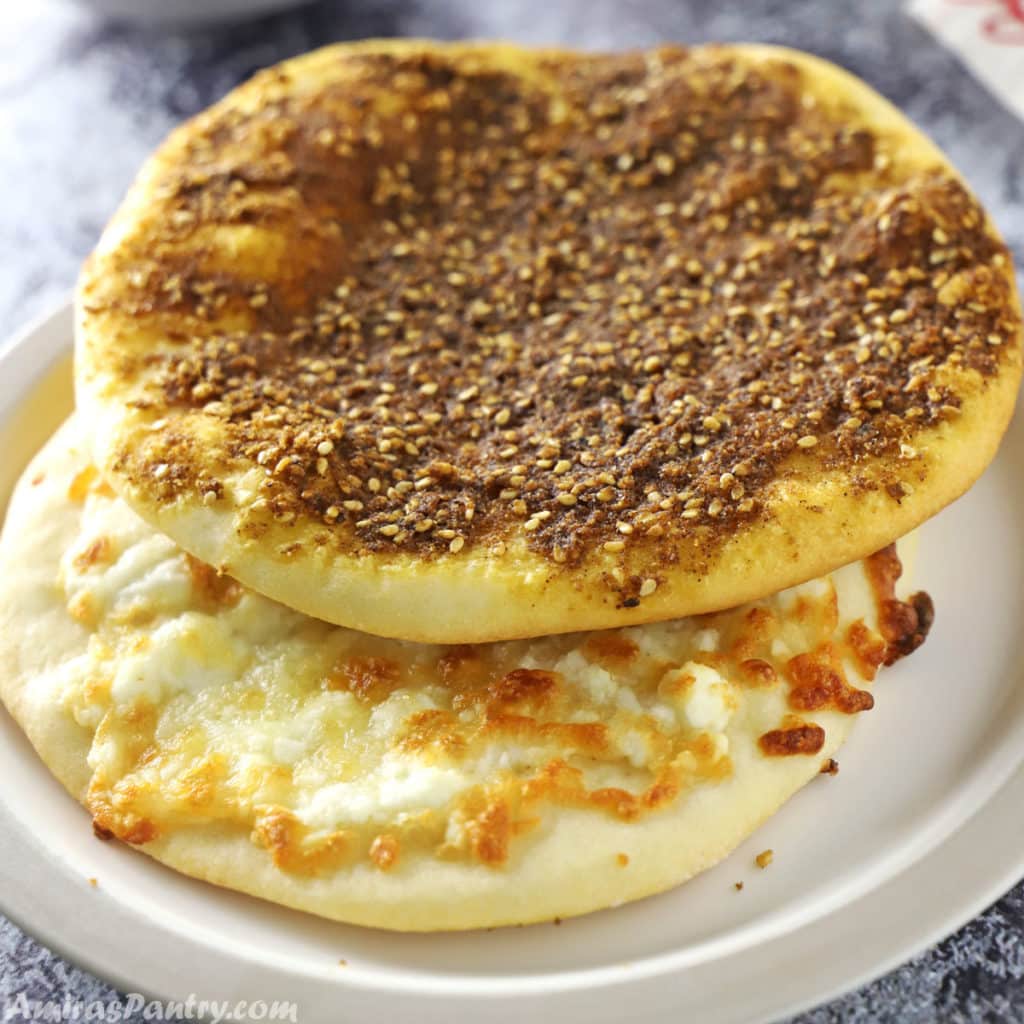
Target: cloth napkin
987, 35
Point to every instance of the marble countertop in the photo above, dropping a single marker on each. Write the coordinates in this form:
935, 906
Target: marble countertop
83, 101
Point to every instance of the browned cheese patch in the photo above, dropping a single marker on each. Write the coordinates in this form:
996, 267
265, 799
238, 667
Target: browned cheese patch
903, 624
798, 738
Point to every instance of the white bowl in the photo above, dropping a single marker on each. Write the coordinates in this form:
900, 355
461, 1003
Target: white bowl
186, 12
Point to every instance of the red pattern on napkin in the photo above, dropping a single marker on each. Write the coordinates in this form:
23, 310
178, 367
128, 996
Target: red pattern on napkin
987, 35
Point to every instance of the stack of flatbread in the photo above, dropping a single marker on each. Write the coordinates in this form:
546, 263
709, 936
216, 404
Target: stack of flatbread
482, 500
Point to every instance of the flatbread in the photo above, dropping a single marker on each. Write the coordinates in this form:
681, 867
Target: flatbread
403, 785
465, 342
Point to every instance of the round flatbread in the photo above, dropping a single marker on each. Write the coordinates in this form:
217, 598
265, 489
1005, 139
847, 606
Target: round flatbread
466, 342
404, 785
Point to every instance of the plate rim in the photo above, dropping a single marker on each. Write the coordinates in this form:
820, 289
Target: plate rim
27, 362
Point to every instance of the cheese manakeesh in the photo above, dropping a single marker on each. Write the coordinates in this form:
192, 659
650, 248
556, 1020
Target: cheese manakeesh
213, 704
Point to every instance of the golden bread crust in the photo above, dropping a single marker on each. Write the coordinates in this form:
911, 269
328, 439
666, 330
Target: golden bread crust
462, 342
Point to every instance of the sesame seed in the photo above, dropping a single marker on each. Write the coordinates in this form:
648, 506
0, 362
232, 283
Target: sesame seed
648, 587
807, 441
664, 164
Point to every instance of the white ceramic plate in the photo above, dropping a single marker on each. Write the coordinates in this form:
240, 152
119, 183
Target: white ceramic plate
919, 831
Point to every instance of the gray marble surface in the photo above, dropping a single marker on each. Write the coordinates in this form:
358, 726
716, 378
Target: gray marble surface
83, 101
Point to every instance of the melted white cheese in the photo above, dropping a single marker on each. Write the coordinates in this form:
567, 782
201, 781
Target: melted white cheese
395, 786
185, 654
708, 702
